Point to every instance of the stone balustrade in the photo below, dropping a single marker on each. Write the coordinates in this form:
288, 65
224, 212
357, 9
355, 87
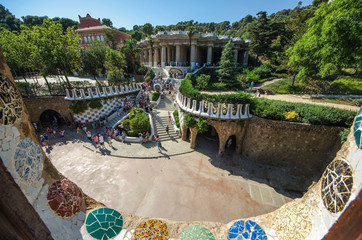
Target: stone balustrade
190, 105
92, 93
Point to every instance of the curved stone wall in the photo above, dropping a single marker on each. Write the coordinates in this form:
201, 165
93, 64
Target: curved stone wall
70, 214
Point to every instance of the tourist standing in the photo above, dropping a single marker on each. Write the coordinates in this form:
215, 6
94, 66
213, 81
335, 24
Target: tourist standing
89, 136
95, 138
79, 132
101, 140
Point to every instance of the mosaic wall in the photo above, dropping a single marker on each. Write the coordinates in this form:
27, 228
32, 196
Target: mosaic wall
357, 129
151, 229
64, 198
104, 223
246, 230
10, 103
196, 232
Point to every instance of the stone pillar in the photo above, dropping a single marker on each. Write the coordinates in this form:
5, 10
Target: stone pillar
163, 56
184, 132
150, 57
145, 57
209, 55
178, 53
222, 142
193, 138
156, 57
236, 55
168, 54
193, 56
246, 56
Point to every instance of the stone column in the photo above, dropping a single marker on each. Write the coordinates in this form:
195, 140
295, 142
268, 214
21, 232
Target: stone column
156, 57
184, 132
163, 56
145, 59
193, 138
178, 53
193, 56
168, 54
209, 55
246, 56
236, 55
150, 57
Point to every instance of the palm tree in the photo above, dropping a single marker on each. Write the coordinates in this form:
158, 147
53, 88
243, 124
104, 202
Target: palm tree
132, 50
190, 33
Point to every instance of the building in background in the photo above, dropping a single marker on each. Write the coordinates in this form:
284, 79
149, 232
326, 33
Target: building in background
91, 29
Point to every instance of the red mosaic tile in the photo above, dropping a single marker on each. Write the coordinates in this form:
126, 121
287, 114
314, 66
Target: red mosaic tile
64, 198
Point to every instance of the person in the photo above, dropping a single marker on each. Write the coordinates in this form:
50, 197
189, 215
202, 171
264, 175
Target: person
118, 113
110, 141
247, 86
84, 128
89, 136
159, 145
35, 126
101, 140
169, 116
167, 129
257, 93
123, 137
230, 141
251, 85
140, 137
46, 140
61, 134
42, 139
79, 131
147, 136
265, 93
95, 138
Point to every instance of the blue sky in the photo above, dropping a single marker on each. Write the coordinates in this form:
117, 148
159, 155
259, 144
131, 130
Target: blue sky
157, 12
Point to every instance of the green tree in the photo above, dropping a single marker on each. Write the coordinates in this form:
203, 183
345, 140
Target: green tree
8, 20
31, 21
202, 81
110, 38
132, 52
190, 33
115, 65
332, 41
227, 71
147, 29
107, 22
66, 22
94, 59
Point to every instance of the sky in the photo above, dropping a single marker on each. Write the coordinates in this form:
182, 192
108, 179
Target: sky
157, 12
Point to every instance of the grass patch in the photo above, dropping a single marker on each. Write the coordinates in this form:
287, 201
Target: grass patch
273, 88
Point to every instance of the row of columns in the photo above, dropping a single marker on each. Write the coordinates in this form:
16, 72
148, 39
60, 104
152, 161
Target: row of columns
174, 54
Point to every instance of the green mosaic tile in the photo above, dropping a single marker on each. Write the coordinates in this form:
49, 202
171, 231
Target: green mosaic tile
104, 223
196, 232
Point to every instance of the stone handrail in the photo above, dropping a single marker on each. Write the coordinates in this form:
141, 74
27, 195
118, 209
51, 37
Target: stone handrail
107, 92
185, 103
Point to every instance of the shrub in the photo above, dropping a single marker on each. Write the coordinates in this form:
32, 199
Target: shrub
135, 111
202, 126
292, 116
140, 123
95, 104
344, 135
347, 85
357, 102
150, 76
23, 87
202, 81
263, 71
219, 86
177, 119
155, 96
288, 89
78, 107
189, 120
125, 123
251, 75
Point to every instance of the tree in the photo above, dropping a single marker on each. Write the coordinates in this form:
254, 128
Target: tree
107, 22
332, 41
147, 29
66, 22
31, 21
202, 81
132, 52
115, 65
94, 59
8, 20
227, 73
110, 38
190, 32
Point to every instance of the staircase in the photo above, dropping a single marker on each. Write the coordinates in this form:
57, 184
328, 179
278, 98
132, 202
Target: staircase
160, 120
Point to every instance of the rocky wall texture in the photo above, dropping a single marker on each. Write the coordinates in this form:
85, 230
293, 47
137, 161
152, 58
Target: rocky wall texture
37, 105
70, 214
302, 150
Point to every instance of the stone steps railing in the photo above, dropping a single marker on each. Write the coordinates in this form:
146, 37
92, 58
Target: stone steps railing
79, 94
242, 110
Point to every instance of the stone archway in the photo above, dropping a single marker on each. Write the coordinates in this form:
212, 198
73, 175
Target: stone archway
48, 117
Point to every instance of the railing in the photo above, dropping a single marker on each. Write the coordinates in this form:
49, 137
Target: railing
79, 94
232, 111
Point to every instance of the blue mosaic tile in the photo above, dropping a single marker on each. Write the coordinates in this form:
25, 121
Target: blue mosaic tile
246, 230
357, 129
104, 223
28, 160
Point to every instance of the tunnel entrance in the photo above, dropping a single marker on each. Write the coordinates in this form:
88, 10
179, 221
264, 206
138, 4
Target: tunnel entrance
50, 117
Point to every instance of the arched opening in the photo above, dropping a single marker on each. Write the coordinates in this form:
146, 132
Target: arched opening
208, 141
231, 143
49, 117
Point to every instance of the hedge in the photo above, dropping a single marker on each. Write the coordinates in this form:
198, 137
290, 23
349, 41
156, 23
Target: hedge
155, 96
274, 109
177, 118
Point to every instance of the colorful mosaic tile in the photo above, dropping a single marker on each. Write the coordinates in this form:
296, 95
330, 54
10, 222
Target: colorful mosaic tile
357, 129
104, 223
337, 185
64, 198
28, 160
152, 229
10, 103
196, 232
293, 219
246, 230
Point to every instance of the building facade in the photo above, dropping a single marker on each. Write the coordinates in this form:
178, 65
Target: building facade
92, 30
176, 48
